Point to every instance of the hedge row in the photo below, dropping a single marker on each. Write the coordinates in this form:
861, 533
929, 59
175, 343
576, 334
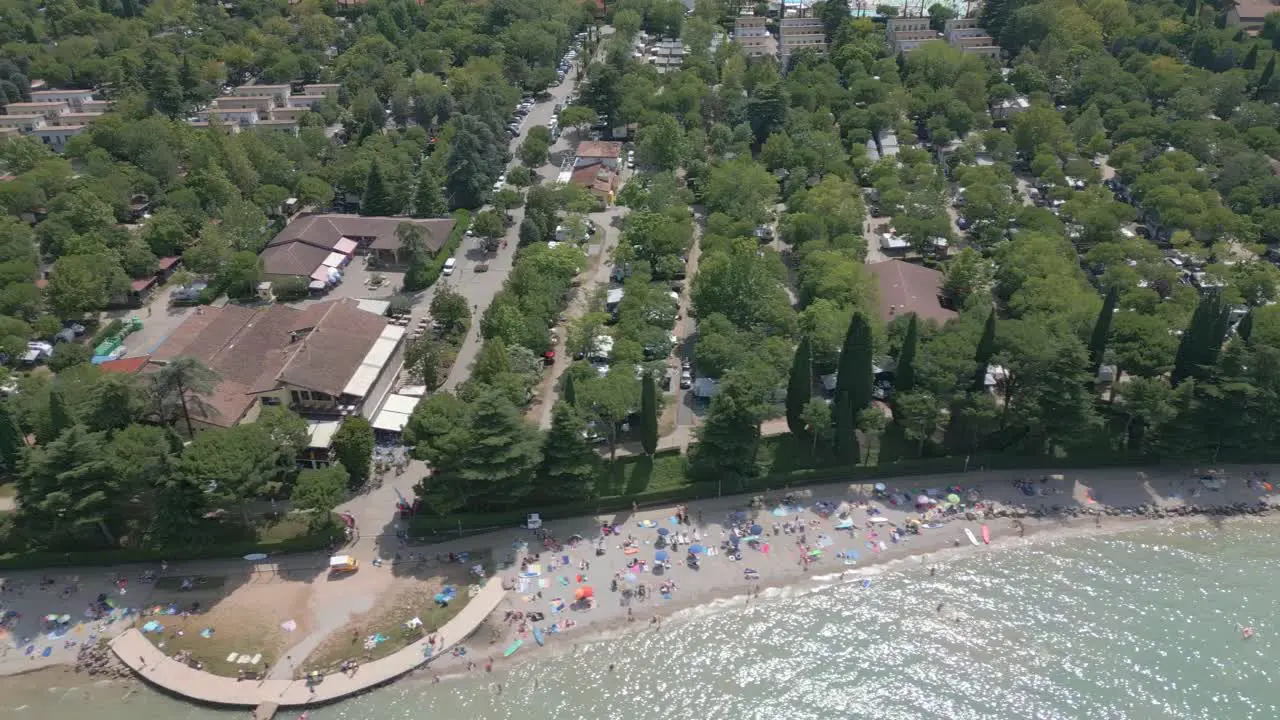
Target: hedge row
36, 560
461, 221
441, 528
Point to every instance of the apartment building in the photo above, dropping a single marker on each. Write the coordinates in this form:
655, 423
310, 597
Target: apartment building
906, 34
281, 125
667, 55
57, 136
47, 109
325, 89
970, 37
753, 35
278, 93
800, 33
304, 101
231, 116
74, 99
289, 113
24, 123
262, 103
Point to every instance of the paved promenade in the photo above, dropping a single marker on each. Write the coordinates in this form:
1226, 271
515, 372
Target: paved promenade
151, 664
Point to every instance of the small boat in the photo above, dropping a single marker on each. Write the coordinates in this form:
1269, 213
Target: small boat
512, 648
986, 534
537, 635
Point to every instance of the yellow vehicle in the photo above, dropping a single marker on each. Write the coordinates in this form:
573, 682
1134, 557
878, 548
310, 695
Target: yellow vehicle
343, 564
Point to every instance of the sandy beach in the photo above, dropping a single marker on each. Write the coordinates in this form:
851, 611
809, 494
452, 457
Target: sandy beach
1069, 504
852, 528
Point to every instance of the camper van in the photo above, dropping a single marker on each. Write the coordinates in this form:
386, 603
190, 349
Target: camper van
343, 564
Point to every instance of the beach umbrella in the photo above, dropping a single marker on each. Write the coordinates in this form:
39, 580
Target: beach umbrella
696, 549
954, 499
879, 487
630, 577
661, 556
51, 618
663, 532
756, 530
64, 619
585, 591
922, 500
878, 519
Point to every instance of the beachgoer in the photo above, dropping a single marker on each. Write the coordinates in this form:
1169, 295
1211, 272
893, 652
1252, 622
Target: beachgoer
1247, 632
933, 571
610, 667
939, 608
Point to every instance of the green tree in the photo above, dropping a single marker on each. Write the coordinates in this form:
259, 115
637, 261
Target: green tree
66, 488
568, 393
241, 275
428, 201
377, 200
648, 415
919, 414
816, 417
569, 463
1201, 341
854, 375
985, 351
485, 464
353, 447
904, 376
608, 401
318, 492
800, 387
533, 150
1102, 332
181, 387
660, 144
12, 443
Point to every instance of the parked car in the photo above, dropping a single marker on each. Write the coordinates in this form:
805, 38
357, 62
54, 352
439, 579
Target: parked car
686, 379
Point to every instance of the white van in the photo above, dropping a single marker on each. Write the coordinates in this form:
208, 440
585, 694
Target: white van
449, 265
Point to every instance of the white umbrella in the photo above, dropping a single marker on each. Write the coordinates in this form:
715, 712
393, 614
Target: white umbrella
878, 519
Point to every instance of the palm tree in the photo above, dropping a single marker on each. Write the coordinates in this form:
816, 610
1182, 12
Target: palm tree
182, 385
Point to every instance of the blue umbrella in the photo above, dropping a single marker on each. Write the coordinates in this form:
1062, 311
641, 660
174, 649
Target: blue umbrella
663, 531
661, 556
696, 549
757, 530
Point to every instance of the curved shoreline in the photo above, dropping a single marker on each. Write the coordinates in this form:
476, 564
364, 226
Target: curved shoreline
717, 587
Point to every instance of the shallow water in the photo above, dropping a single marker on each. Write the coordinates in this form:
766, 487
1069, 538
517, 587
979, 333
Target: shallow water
1137, 625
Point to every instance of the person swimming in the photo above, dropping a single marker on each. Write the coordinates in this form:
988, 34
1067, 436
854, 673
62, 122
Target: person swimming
1247, 632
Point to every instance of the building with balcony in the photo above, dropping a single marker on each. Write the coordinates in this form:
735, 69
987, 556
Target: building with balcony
278, 93
752, 35
800, 33
906, 34
970, 38
74, 99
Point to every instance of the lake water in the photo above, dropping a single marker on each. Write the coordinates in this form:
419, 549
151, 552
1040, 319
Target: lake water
1137, 625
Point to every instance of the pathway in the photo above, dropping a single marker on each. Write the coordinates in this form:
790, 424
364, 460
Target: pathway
150, 663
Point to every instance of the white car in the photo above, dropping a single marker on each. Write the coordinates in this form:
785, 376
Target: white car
631, 159
497, 184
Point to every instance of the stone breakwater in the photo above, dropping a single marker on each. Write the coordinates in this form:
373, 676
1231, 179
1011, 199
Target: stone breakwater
97, 660
1145, 510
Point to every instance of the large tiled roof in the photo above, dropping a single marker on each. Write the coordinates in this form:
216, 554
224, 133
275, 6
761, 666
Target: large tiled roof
909, 288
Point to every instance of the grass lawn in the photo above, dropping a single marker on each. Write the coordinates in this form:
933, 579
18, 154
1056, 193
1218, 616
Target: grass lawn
639, 474
388, 619
288, 526
184, 634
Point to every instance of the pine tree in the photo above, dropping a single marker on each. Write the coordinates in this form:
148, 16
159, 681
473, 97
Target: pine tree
11, 441
1245, 328
648, 415
428, 201
568, 461
1251, 60
1193, 9
376, 201
1101, 333
800, 387
904, 376
986, 349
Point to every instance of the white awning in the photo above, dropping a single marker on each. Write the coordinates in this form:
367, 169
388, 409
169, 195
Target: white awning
390, 421
321, 432
377, 307
400, 404
414, 391
374, 361
335, 260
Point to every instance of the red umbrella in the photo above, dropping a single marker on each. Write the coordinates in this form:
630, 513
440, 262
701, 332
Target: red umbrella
584, 592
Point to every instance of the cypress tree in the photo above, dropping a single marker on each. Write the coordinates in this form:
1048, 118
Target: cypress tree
1239, 36
844, 440
11, 441
1251, 60
59, 416
569, 395
1267, 72
800, 387
904, 377
854, 376
648, 415
568, 461
376, 201
1193, 9
428, 201
1245, 328
986, 349
1202, 340
1101, 333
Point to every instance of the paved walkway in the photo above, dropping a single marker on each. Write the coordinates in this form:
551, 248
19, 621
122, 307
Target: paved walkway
151, 664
